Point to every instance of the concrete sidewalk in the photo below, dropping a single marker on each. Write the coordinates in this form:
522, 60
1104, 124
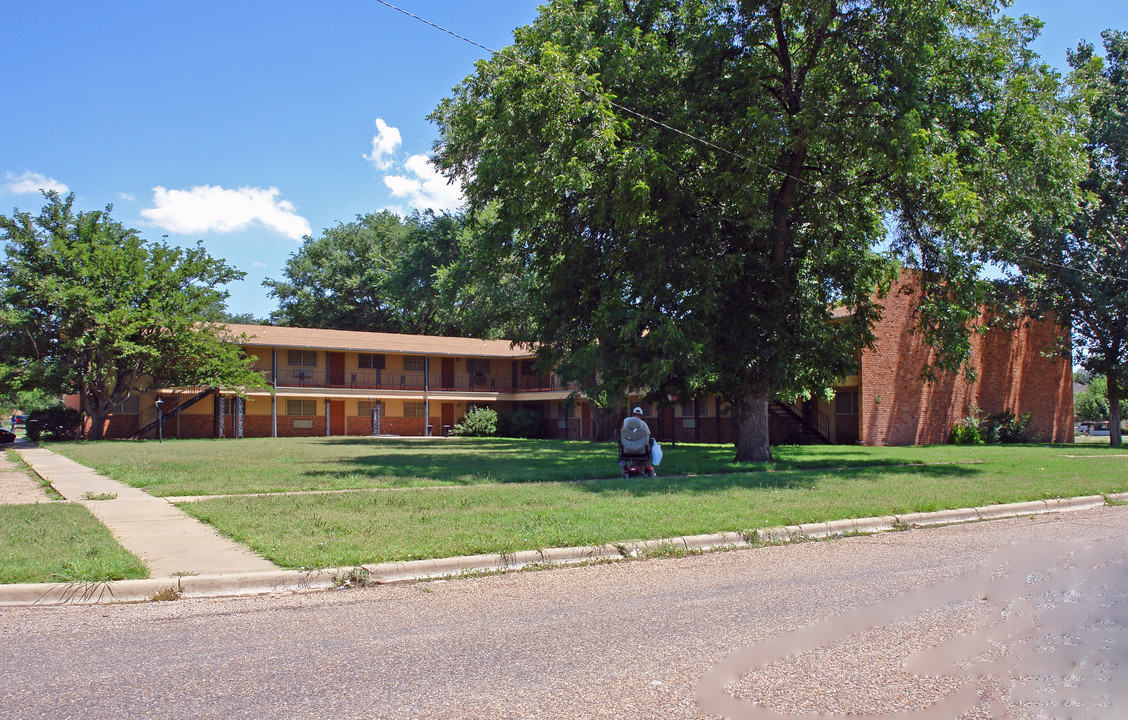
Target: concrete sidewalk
167, 540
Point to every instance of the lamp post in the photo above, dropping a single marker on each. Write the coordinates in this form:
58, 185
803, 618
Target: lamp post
160, 423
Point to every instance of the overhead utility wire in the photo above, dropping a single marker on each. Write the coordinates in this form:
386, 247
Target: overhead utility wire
684, 133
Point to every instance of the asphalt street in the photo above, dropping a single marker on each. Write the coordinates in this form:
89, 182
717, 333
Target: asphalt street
1020, 618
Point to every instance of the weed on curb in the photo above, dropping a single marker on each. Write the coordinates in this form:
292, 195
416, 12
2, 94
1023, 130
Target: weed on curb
358, 577
97, 496
165, 595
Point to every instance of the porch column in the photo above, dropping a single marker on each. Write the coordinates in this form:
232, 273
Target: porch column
240, 409
327, 427
220, 419
426, 395
274, 395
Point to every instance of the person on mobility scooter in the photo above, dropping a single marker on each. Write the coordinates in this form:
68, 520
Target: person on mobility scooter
636, 446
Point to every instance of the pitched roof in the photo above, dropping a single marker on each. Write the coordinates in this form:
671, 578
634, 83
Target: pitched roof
374, 342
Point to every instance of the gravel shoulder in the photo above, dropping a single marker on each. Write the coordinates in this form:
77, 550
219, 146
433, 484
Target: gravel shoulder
19, 486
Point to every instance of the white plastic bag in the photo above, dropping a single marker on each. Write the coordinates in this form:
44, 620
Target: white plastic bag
656, 454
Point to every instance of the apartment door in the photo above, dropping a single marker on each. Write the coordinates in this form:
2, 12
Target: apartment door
585, 422
336, 369
337, 417
448, 375
448, 417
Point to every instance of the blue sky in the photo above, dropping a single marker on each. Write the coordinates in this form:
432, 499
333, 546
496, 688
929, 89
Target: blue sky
250, 124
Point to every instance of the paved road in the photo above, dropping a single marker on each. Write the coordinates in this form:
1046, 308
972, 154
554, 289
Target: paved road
628, 640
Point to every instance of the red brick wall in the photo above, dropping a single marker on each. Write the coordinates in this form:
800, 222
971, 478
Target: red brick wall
899, 408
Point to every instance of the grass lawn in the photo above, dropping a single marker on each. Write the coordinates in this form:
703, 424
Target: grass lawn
60, 542
441, 498
266, 465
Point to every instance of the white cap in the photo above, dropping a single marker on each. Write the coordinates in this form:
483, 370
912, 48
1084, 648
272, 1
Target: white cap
638, 410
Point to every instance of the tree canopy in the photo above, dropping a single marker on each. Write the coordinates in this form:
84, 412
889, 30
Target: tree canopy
384, 273
1095, 257
89, 307
691, 187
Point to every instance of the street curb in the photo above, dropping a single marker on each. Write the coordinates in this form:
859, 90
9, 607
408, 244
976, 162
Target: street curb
297, 581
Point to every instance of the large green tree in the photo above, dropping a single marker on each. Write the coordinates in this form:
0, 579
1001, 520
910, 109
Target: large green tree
385, 273
1092, 277
89, 307
694, 185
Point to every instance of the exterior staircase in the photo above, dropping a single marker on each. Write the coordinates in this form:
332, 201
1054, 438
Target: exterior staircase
172, 412
800, 432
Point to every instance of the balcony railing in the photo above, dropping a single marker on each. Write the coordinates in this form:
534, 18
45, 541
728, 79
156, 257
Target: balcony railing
389, 380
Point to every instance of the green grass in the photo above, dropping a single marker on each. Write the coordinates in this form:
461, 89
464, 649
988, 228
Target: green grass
418, 499
60, 542
330, 530
263, 465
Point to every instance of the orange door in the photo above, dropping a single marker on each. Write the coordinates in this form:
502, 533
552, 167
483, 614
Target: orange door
448, 416
448, 373
337, 369
337, 417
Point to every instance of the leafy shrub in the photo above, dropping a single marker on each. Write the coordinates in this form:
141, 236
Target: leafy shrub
523, 423
479, 422
54, 423
1006, 428
965, 432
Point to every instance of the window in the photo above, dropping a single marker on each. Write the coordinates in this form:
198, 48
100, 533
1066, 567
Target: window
301, 358
364, 408
414, 363
228, 405
566, 411
366, 361
846, 403
527, 367
476, 366
412, 409
301, 407
129, 406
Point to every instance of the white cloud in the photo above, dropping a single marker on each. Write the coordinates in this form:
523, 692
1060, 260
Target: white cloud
32, 182
128, 197
384, 144
206, 208
424, 187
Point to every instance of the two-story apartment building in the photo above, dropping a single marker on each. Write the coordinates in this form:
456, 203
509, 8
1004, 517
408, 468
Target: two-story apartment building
333, 382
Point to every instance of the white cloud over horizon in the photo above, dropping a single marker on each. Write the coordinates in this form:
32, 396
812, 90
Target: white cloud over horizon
207, 208
29, 183
424, 187
384, 144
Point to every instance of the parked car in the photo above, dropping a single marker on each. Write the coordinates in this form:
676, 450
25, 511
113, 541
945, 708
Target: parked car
19, 419
1099, 429
6, 436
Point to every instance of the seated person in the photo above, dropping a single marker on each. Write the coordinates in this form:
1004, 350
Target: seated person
635, 434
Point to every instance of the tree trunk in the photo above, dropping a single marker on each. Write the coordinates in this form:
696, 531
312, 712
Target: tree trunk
752, 427
97, 423
1114, 438
604, 423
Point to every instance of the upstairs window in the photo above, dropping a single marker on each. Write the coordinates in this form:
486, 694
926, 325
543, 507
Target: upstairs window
414, 363
367, 361
301, 358
476, 366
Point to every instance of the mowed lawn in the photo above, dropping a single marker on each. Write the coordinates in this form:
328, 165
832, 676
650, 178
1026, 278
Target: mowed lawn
409, 499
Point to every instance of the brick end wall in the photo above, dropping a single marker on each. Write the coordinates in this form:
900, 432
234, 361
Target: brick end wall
899, 408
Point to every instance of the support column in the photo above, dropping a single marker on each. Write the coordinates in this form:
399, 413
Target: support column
328, 429
240, 410
426, 395
274, 395
221, 420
